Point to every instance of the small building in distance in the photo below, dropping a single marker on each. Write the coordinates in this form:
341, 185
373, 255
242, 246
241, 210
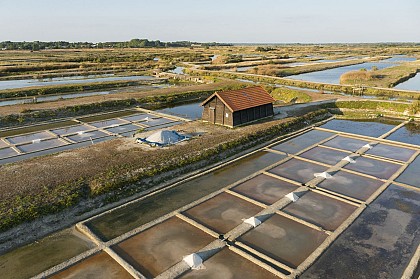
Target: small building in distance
237, 107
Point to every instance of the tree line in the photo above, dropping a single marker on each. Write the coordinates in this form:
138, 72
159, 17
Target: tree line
134, 43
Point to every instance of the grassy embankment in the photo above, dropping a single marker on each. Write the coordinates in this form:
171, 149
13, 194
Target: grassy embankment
287, 95
281, 71
114, 173
348, 89
388, 77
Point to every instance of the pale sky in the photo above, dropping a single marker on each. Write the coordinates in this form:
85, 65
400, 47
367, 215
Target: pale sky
246, 21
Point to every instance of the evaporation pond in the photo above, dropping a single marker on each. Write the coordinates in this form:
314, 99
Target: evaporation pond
284, 240
223, 212
411, 175
98, 266
392, 152
352, 185
32, 259
30, 137
7, 152
45, 144
138, 117
190, 111
2, 144
298, 170
365, 128
228, 265
71, 130
376, 168
136, 214
381, 241
156, 121
265, 189
108, 123
156, 249
409, 133
324, 155
80, 137
301, 142
345, 143
320, 210
123, 129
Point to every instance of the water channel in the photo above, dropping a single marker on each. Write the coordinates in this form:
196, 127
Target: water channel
23, 83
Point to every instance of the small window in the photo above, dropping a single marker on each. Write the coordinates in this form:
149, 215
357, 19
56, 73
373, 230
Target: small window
227, 115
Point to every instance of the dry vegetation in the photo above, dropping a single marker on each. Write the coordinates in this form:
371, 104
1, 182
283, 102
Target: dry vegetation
49, 184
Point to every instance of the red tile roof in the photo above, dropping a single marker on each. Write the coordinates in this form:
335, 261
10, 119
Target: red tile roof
244, 98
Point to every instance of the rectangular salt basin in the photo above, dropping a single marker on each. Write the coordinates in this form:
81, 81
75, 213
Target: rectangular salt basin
320, 210
265, 189
411, 175
136, 214
29, 260
137, 117
7, 152
223, 212
344, 143
30, 137
228, 264
284, 240
71, 130
301, 142
156, 249
324, 155
376, 168
107, 123
45, 144
123, 129
298, 170
392, 152
366, 128
352, 185
98, 266
381, 241
157, 121
167, 125
87, 136
409, 133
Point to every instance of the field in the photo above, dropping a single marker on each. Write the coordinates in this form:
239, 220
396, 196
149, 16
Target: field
114, 79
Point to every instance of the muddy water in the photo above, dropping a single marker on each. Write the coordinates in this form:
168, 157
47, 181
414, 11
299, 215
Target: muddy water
164, 244
264, 188
227, 264
284, 240
100, 265
223, 212
351, 185
379, 169
34, 258
127, 218
321, 210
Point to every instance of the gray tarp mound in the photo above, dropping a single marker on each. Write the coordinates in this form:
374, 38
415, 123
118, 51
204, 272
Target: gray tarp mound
162, 138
